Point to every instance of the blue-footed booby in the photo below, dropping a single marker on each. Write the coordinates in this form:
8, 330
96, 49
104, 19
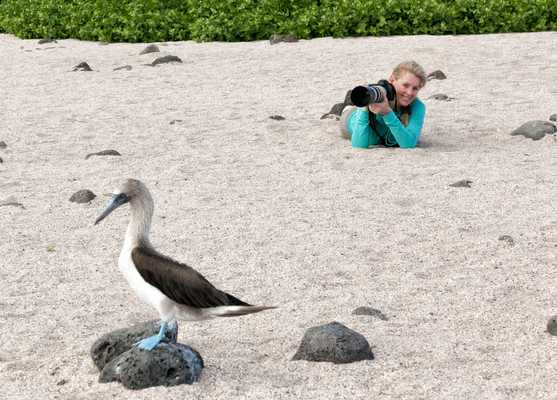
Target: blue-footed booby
174, 289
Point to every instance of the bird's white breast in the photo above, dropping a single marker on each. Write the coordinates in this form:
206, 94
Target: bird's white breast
146, 292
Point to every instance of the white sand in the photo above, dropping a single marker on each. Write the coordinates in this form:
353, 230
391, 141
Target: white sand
284, 213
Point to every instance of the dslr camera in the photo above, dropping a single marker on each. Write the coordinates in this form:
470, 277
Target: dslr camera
362, 96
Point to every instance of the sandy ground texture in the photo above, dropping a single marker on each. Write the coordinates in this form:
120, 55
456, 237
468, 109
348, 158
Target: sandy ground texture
284, 213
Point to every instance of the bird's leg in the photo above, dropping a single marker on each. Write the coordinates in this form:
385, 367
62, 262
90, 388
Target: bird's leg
173, 330
151, 342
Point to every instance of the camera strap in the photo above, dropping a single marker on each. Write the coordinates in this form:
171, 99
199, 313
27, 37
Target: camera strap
388, 140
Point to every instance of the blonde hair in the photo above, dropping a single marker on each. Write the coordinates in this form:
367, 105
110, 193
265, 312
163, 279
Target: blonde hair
412, 67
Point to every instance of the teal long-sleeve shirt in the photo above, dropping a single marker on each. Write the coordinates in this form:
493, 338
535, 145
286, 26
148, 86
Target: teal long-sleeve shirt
406, 136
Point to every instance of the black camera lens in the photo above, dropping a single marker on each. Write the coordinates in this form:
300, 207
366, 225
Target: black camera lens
362, 96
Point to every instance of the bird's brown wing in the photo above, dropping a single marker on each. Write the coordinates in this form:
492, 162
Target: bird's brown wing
179, 282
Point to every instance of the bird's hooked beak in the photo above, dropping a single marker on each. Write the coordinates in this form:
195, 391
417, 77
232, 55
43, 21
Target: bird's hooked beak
116, 201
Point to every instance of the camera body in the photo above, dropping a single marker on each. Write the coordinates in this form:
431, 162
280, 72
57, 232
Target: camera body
362, 96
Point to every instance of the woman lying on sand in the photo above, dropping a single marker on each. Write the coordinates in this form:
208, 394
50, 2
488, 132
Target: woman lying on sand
396, 123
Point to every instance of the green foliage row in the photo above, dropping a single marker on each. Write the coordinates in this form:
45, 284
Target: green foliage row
244, 20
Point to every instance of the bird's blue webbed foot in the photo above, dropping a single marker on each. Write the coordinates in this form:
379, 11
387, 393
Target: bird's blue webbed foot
151, 342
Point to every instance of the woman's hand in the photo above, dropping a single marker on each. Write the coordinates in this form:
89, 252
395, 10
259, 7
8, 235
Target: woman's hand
382, 108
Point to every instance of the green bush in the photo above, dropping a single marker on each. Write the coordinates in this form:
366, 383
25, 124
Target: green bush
104, 20
235, 20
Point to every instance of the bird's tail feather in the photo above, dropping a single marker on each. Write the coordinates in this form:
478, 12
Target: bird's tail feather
235, 311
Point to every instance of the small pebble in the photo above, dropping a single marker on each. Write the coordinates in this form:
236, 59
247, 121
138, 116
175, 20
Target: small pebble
126, 67
11, 201
283, 38
82, 66
535, 130
3, 144
371, 312
462, 183
152, 48
166, 59
552, 325
508, 239
277, 117
438, 74
440, 97
103, 153
82, 196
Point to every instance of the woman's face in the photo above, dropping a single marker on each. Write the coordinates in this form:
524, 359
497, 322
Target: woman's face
407, 87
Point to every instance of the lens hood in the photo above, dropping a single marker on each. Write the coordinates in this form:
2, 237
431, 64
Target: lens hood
360, 96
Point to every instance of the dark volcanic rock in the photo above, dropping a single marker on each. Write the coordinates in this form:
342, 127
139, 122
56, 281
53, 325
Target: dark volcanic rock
152, 48
11, 201
126, 67
371, 312
166, 59
335, 343
103, 153
462, 183
552, 325
553, 117
283, 38
82, 66
43, 41
82, 196
1, 160
3, 144
441, 97
168, 364
277, 117
112, 344
438, 74
535, 130
507, 239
